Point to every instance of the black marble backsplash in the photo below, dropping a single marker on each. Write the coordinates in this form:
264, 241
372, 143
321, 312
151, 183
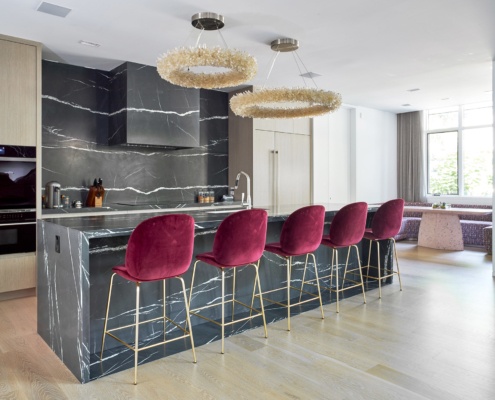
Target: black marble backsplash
76, 123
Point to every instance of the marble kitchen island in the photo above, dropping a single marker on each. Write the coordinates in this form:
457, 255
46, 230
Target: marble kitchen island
75, 257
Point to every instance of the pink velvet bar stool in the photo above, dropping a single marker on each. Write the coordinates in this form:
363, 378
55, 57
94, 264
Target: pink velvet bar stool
159, 248
385, 225
346, 231
239, 241
301, 235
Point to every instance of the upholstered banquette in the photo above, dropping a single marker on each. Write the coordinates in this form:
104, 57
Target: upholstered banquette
472, 226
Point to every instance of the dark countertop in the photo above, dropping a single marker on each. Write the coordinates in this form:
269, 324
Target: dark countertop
129, 208
109, 225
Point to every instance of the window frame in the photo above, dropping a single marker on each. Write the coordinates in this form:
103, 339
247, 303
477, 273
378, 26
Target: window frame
460, 128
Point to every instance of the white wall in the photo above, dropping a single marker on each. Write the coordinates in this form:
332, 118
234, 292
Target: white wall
331, 157
376, 155
355, 156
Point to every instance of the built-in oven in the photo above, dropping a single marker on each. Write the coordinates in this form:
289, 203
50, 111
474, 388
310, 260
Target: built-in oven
17, 231
17, 199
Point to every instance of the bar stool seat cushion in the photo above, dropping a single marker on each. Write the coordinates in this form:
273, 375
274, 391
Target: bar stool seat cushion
368, 234
242, 248
301, 233
169, 254
209, 258
387, 221
347, 226
276, 248
327, 241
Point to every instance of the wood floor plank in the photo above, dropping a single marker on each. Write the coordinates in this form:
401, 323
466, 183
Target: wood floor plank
433, 340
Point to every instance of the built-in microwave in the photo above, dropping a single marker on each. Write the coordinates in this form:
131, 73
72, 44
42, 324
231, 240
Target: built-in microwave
17, 199
18, 238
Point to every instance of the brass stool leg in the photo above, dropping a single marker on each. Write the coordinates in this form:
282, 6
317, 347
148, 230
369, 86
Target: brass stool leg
233, 293
289, 264
360, 272
188, 320
136, 345
223, 310
379, 271
304, 274
192, 283
369, 258
257, 279
164, 310
345, 268
317, 283
397, 262
337, 277
106, 316
252, 297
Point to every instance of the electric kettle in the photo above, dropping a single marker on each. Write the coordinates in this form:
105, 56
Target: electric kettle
52, 194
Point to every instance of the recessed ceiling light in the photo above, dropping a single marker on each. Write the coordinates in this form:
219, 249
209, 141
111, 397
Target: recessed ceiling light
413, 90
310, 75
53, 9
406, 105
445, 98
90, 44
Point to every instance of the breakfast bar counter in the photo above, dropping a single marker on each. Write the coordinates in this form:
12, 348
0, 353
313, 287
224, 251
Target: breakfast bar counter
75, 260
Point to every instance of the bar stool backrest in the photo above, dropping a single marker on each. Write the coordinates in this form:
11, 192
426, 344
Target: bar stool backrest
160, 247
303, 230
388, 219
348, 225
240, 238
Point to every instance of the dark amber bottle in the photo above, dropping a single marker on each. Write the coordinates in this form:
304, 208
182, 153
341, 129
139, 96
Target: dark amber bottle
90, 200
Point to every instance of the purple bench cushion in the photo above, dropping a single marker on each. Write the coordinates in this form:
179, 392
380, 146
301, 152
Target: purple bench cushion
472, 225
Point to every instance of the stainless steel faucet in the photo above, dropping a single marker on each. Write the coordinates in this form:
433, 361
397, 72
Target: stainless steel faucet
248, 179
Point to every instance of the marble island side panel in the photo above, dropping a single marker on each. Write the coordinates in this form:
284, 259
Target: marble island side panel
73, 278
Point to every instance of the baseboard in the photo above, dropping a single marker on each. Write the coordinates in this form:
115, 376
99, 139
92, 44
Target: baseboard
15, 294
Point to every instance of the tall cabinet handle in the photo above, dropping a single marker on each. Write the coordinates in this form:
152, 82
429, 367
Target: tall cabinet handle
274, 179
276, 188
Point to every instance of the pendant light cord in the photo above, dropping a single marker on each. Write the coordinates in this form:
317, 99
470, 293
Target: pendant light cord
274, 58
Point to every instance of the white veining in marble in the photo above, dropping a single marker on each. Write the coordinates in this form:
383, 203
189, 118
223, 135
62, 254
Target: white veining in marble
126, 109
214, 118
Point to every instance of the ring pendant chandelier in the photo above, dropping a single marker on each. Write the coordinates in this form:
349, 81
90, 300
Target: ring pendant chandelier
285, 102
176, 65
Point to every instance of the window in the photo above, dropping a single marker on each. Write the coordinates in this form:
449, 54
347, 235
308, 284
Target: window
460, 150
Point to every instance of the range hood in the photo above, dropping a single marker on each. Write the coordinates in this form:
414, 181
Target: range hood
146, 110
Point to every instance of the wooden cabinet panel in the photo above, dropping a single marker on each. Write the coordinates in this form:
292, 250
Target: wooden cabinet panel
19, 92
17, 271
20, 125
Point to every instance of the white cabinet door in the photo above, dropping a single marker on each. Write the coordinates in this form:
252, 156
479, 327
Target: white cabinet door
293, 166
281, 168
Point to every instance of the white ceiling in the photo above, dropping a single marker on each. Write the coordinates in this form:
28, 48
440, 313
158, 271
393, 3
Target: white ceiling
370, 51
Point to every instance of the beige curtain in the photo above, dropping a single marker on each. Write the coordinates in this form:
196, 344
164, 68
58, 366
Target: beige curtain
411, 180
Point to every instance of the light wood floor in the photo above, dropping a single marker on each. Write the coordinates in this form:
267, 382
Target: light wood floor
434, 340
